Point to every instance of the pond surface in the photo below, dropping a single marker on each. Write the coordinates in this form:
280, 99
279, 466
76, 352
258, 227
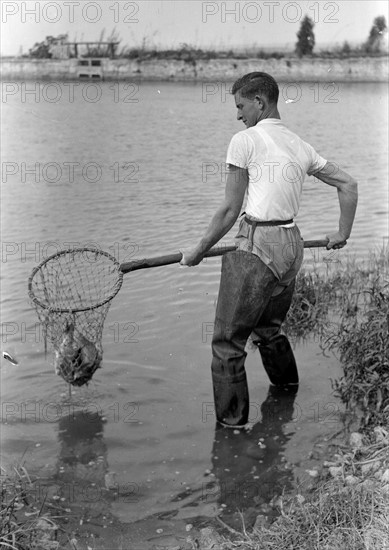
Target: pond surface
141, 179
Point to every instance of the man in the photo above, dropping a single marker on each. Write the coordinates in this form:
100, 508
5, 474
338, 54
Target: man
269, 163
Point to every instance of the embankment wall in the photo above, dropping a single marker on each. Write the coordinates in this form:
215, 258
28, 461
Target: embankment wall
353, 69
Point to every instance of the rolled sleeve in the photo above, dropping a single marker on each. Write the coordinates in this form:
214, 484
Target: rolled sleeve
317, 162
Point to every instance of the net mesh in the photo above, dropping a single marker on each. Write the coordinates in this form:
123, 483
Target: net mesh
71, 292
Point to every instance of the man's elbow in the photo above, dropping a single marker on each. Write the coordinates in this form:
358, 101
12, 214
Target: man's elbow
231, 213
353, 188
350, 187
353, 184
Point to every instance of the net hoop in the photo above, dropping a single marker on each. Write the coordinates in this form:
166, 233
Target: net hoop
73, 251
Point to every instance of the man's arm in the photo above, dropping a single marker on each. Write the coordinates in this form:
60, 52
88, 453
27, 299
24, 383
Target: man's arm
224, 218
348, 197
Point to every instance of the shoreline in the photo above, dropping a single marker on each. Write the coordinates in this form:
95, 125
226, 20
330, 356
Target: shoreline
320, 69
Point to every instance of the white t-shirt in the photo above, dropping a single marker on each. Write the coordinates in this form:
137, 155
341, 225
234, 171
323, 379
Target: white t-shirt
277, 161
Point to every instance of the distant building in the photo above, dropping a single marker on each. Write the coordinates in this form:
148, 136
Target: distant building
60, 48
91, 49
89, 58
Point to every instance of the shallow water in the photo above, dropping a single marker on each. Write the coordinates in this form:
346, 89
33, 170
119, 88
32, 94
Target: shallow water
153, 431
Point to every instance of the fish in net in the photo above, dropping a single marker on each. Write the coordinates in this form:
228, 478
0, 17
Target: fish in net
71, 292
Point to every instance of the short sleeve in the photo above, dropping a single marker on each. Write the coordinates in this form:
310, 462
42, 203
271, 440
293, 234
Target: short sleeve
317, 162
240, 150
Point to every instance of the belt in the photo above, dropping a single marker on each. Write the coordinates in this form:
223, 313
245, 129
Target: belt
255, 223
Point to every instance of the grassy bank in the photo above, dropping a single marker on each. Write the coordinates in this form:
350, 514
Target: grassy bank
347, 305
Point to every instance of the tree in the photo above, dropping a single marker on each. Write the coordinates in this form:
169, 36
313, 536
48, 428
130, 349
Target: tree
346, 48
376, 37
52, 47
41, 50
306, 38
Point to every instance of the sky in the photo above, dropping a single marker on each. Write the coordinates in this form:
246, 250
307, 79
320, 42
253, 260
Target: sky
202, 24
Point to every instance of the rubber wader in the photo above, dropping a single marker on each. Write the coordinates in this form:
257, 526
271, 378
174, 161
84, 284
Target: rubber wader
278, 361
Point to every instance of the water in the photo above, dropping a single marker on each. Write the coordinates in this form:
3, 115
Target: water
147, 415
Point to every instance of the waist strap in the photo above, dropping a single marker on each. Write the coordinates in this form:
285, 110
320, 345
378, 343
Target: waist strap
277, 222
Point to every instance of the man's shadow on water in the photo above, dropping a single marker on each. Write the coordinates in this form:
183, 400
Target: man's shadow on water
249, 467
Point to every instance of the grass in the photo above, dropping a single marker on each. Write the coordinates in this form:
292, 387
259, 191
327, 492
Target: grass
337, 518
364, 352
192, 54
327, 299
24, 526
348, 307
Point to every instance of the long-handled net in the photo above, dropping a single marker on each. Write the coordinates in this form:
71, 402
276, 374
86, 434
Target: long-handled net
71, 292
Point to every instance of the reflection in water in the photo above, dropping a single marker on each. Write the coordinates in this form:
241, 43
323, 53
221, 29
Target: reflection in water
249, 466
82, 462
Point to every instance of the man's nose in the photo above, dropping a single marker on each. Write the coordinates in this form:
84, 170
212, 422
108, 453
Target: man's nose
239, 115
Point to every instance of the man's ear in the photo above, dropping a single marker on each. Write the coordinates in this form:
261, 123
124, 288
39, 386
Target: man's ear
260, 102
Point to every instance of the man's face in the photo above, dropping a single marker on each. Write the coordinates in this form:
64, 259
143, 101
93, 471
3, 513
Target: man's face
248, 110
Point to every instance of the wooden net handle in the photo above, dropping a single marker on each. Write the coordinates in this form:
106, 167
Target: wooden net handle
168, 259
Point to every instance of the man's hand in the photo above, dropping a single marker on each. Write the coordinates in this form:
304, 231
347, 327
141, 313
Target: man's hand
335, 241
191, 257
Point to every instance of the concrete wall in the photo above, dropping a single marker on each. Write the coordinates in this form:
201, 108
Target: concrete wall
374, 69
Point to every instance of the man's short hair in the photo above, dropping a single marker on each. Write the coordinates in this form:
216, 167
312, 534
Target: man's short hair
257, 83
